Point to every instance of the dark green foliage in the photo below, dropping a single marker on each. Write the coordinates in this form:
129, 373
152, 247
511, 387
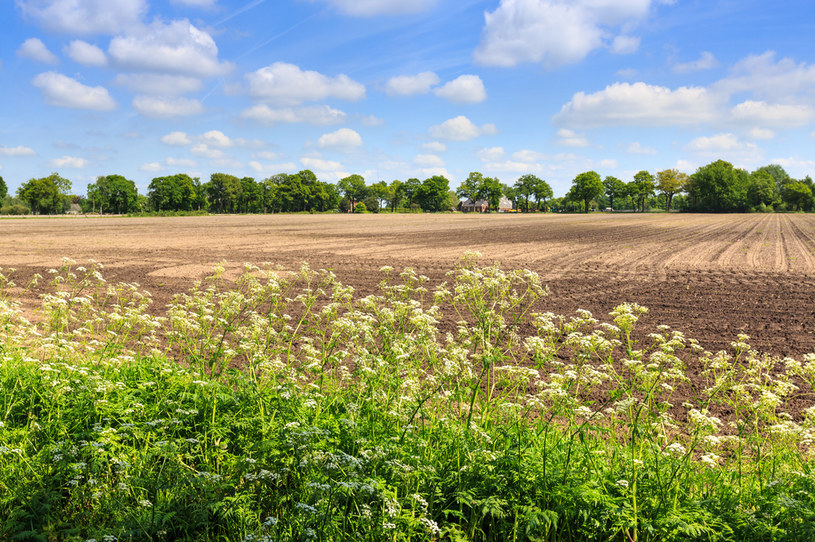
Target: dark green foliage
586, 187
432, 195
46, 195
112, 194
173, 193
718, 187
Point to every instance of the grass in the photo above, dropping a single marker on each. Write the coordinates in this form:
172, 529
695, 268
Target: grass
284, 407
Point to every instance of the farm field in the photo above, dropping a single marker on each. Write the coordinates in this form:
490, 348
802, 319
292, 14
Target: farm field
710, 276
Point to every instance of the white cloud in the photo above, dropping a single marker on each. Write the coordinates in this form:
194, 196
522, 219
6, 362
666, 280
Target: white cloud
795, 166
16, 151
491, 154
151, 167
705, 62
434, 146
760, 133
465, 89
625, 45
166, 107
781, 81
370, 8
266, 155
177, 47
554, 32
609, 163
182, 162
158, 83
176, 139
371, 120
344, 137
460, 129
637, 148
568, 138
318, 114
35, 49
410, 85
69, 162
526, 155
85, 53
513, 167
753, 112
325, 169
639, 104
216, 138
62, 91
428, 160
85, 17
726, 146
204, 150
287, 84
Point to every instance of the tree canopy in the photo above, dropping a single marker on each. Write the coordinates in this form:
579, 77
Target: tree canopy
585, 187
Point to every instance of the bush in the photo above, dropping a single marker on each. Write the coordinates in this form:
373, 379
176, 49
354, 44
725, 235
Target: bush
15, 209
360, 208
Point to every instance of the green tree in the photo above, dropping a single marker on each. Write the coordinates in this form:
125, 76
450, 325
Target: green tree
3, 190
614, 189
432, 194
382, 193
796, 195
47, 195
353, 187
223, 193
542, 192
643, 186
397, 192
762, 189
113, 194
490, 190
779, 175
173, 193
670, 182
718, 187
410, 189
469, 188
585, 187
525, 188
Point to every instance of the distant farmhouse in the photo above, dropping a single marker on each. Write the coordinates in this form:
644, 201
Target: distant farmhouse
483, 206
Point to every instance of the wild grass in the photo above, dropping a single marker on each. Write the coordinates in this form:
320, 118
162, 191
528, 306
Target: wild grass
284, 407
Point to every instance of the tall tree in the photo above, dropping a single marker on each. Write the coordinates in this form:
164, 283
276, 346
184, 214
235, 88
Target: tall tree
670, 182
470, 187
762, 189
47, 195
410, 189
542, 192
113, 194
525, 188
614, 189
585, 187
796, 194
643, 186
173, 193
3, 190
250, 198
223, 192
490, 189
397, 192
353, 187
718, 187
432, 195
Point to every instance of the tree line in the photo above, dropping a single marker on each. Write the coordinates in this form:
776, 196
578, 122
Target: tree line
715, 187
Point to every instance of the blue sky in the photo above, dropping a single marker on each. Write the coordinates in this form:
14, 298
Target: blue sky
393, 89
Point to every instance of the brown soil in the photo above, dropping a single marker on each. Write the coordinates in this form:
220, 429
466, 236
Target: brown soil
710, 276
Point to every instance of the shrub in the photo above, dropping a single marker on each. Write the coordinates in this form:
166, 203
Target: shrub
360, 208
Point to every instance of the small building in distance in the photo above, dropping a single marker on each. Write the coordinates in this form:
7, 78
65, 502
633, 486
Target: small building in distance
483, 206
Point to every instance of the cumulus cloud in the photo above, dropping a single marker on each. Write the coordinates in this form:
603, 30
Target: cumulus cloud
318, 115
428, 160
176, 139
780, 115
271, 169
150, 167
491, 154
85, 53
206, 151
461, 129
166, 107
16, 151
410, 85
727, 146
325, 169
767, 79
216, 138
555, 32
158, 83
286, 84
569, 138
69, 162
370, 8
705, 62
371, 120
637, 148
177, 47
85, 17
62, 91
35, 49
434, 146
180, 162
465, 89
640, 104
344, 137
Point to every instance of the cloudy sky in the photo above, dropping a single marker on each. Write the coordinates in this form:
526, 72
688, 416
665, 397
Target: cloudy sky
393, 89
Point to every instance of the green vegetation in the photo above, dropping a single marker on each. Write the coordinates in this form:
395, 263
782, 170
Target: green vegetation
282, 407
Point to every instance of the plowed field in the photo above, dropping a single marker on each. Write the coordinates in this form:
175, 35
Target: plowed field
711, 276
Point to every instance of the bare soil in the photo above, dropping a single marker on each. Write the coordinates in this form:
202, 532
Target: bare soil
710, 276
